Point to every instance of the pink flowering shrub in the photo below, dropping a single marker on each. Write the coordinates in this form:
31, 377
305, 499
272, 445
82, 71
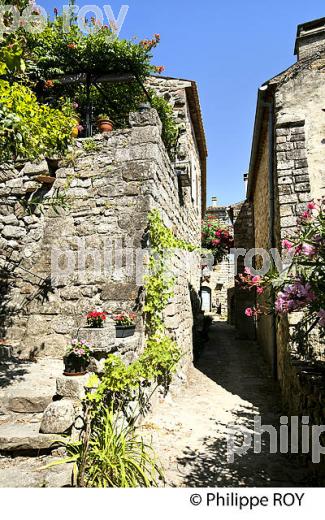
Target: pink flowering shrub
216, 238
301, 287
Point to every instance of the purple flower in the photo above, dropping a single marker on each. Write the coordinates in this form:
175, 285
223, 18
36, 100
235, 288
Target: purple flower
308, 250
294, 297
321, 315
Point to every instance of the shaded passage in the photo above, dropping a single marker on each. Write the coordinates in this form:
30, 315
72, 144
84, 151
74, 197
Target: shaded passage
229, 385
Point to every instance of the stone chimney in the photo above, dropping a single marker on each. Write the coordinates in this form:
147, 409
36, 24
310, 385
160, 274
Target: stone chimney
310, 38
246, 182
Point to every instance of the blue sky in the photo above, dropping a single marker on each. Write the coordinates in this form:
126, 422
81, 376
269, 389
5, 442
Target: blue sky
230, 48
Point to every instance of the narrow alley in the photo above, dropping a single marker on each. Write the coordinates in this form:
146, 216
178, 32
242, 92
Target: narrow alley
230, 385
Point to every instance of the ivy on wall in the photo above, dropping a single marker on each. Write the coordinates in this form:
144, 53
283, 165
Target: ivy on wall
162, 354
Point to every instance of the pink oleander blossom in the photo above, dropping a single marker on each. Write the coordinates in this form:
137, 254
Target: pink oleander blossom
286, 244
253, 312
294, 297
306, 215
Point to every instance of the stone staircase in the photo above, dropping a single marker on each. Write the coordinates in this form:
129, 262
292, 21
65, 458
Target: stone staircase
26, 390
38, 404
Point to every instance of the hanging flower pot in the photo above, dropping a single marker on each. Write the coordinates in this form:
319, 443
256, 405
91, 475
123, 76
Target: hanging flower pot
125, 324
104, 123
77, 358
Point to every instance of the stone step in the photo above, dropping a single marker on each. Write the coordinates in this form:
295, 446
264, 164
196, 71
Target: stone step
27, 387
28, 403
25, 437
23, 472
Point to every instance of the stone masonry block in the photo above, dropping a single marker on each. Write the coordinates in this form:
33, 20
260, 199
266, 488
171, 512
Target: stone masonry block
58, 417
285, 180
304, 197
286, 210
302, 178
284, 189
282, 131
286, 165
285, 147
296, 154
301, 163
287, 199
102, 339
297, 137
303, 187
71, 387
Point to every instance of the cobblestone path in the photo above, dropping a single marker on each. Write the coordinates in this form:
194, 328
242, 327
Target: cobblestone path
230, 384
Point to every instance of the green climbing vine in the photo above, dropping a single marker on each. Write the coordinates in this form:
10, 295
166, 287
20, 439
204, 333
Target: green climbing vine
160, 358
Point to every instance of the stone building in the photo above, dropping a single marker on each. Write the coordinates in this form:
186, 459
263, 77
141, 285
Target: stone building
219, 279
58, 264
287, 169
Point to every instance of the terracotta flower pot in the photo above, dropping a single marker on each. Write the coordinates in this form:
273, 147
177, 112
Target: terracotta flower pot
105, 125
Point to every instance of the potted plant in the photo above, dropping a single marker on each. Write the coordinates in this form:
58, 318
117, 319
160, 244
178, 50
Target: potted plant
104, 123
77, 358
96, 319
217, 239
125, 324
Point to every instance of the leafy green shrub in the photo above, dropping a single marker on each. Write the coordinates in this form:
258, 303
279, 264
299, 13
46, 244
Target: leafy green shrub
28, 129
113, 456
170, 129
56, 51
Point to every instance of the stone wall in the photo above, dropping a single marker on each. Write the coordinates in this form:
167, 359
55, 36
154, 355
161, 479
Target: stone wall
176, 92
301, 100
112, 181
299, 176
239, 299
